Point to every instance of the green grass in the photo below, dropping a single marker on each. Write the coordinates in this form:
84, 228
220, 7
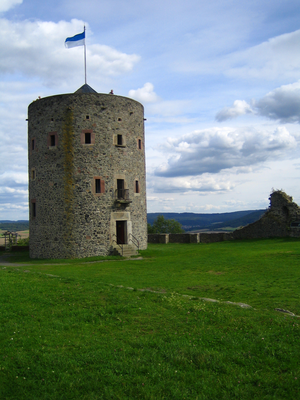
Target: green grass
79, 335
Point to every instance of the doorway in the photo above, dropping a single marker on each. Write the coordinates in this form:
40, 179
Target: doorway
121, 232
120, 188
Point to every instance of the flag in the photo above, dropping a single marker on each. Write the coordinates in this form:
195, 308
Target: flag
74, 41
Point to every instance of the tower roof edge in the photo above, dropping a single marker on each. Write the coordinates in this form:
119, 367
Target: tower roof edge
85, 89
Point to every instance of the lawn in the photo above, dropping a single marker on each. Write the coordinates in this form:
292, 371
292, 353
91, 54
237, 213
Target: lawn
139, 329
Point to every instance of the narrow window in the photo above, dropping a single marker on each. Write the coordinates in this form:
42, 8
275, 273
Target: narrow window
87, 117
87, 137
137, 187
32, 144
52, 140
97, 185
33, 209
140, 144
120, 140
33, 174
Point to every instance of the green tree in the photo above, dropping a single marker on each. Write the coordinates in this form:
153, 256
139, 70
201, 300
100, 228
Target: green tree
162, 225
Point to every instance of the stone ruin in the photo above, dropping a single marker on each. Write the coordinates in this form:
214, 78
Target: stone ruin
282, 219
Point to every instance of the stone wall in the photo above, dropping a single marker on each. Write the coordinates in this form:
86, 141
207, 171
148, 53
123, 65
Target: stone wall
75, 140
173, 238
214, 237
158, 238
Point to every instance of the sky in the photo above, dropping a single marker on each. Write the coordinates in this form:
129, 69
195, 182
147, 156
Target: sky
219, 81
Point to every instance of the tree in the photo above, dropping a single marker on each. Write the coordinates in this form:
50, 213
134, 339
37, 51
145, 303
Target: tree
162, 225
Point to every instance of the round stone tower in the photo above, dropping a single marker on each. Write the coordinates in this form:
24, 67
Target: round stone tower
87, 187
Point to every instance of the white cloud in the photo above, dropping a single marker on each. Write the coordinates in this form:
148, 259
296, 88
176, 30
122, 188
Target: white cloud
204, 184
19, 178
6, 5
215, 149
281, 104
145, 94
36, 49
276, 56
239, 107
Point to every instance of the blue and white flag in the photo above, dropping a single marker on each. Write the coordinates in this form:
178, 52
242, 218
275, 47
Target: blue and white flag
74, 41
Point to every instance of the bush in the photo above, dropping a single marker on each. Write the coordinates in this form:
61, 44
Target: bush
23, 242
162, 225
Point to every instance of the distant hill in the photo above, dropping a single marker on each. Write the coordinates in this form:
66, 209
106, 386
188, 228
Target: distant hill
189, 221
217, 221
13, 226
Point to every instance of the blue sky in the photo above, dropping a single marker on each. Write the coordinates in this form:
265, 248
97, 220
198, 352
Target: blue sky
220, 83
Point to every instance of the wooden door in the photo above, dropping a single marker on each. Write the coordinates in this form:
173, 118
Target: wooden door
121, 232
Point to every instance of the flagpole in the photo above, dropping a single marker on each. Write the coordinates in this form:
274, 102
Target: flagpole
84, 57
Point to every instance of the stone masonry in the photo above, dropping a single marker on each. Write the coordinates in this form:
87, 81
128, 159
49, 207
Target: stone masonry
87, 186
282, 219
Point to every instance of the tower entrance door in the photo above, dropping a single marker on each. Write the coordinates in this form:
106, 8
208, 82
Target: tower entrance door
121, 232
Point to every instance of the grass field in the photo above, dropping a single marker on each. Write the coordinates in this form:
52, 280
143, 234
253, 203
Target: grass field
138, 329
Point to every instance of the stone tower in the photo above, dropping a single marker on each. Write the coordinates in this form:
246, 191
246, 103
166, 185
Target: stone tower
87, 186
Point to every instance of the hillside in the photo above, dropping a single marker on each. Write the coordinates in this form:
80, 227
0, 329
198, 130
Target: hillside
217, 221
13, 226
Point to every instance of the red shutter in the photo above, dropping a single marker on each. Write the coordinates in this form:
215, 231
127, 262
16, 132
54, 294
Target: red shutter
102, 186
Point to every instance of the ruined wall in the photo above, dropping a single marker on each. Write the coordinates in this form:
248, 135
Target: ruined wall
280, 220
74, 140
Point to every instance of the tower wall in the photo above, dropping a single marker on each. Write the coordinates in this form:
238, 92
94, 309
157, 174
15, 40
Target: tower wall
82, 147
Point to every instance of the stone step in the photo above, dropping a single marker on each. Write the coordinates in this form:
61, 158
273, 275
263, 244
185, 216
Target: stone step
128, 250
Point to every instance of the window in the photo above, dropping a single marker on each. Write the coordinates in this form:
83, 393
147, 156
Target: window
136, 187
120, 188
32, 144
52, 140
119, 140
87, 138
87, 117
33, 174
33, 208
98, 185
140, 144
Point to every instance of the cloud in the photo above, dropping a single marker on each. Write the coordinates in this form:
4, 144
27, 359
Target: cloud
239, 107
6, 5
216, 149
36, 49
282, 104
205, 184
145, 94
276, 56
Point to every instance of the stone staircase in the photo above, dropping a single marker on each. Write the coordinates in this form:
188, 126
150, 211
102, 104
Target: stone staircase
128, 250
